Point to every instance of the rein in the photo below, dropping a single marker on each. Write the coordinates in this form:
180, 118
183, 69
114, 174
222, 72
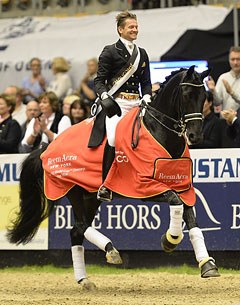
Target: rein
177, 124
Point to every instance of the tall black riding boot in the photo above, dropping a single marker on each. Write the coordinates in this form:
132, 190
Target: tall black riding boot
104, 194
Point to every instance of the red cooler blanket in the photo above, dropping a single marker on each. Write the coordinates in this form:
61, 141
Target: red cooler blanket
145, 171
148, 170
68, 161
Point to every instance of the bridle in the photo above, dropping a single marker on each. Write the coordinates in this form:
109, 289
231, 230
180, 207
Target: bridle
179, 126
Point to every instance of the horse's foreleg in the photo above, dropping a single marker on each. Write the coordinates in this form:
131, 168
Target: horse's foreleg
206, 263
174, 235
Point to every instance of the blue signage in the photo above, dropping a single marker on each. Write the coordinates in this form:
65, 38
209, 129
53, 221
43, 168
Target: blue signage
135, 225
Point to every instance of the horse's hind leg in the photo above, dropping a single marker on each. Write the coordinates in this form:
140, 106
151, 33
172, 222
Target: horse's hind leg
91, 205
173, 236
79, 261
206, 263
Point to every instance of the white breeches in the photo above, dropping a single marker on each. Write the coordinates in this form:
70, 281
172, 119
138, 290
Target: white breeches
111, 123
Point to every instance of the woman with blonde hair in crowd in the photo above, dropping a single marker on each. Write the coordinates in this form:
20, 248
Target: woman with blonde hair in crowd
67, 102
10, 130
87, 90
48, 125
33, 85
61, 85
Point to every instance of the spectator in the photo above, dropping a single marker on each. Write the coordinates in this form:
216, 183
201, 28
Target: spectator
232, 118
6, 4
10, 130
227, 89
155, 88
33, 85
87, 89
61, 85
211, 126
49, 125
23, 4
19, 114
32, 111
78, 111
67, 102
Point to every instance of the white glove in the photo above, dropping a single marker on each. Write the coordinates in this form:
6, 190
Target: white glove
104, 95
147, 98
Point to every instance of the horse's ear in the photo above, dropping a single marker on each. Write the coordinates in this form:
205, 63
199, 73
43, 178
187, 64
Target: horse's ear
206, 73
190, 71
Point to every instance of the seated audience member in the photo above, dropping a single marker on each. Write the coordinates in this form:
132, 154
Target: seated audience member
86, 89
6, 5
10, 130
23, 4
78, 111
19, 114
67, 102
232, 118
226, 92
32, 111
61, 85
155, 88
211, 126
48, 125
33, 85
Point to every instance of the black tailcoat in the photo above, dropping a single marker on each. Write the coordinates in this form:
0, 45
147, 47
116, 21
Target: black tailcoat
112, 60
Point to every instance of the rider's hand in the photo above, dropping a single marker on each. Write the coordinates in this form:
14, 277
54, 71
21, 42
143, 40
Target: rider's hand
147, 98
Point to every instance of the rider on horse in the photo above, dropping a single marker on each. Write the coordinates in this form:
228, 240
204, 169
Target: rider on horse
122, 68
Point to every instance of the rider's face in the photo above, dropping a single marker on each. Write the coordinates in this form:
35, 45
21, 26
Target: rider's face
129, 30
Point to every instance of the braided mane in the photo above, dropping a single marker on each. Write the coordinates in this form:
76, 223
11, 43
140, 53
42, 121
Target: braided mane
167, 78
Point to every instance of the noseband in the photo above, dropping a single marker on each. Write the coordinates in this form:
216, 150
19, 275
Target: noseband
195, 115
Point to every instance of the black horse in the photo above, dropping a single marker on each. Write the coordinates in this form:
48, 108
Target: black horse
174, 116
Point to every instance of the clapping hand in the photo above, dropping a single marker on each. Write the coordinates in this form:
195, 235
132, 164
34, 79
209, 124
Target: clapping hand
210, 83
227, 87
229, 115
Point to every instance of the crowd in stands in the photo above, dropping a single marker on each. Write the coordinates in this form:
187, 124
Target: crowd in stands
40, 110
134, 4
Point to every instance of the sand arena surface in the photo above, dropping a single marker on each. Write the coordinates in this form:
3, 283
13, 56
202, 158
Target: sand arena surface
40, 288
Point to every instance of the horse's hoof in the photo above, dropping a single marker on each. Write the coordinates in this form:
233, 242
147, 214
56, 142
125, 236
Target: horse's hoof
168, 243
87, 285
113, 257
208, 268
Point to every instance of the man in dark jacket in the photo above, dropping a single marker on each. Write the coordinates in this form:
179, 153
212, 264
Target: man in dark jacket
122, 69
232, 118
212, 136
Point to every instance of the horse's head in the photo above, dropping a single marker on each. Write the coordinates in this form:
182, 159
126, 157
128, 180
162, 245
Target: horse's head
191, 103
181, 99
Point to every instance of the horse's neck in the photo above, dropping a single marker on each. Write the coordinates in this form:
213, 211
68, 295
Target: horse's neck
174, 144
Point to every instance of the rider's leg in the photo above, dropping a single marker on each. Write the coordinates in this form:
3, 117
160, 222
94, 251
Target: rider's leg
104, 194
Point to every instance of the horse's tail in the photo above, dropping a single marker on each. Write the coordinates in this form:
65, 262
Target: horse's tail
34, 207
